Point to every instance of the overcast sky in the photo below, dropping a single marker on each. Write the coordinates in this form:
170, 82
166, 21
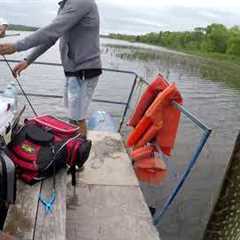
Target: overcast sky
133, 16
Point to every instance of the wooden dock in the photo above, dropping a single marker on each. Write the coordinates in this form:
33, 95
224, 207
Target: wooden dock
107, 203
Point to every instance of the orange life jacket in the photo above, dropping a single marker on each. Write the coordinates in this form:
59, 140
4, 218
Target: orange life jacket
150, 177
160, 122
157, 86
153, 163
143, 152
167, 134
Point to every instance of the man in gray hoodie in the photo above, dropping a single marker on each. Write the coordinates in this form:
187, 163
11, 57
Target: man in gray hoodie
77, 27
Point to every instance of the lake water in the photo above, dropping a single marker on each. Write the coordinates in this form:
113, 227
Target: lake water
206, 92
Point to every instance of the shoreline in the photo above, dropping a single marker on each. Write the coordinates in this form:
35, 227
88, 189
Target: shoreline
208, 56
22, 28
223, 58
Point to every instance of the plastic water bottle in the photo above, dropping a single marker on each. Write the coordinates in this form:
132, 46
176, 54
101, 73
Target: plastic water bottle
11, 94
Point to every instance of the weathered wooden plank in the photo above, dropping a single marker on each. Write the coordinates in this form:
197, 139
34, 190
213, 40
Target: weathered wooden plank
107, 202
20, 220
4, 236
109, 163
52, 226
107, 213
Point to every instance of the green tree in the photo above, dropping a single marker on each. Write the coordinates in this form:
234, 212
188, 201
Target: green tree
233, 47
216, 38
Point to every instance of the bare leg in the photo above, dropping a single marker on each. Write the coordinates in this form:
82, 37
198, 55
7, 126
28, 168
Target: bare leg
82, 126
83, 131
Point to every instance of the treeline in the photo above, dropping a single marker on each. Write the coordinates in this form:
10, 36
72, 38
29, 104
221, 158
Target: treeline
21, 28
215, 38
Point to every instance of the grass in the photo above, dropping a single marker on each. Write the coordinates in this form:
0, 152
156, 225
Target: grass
217, 56
215, 67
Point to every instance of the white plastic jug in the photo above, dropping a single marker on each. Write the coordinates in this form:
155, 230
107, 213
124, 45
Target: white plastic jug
10, 96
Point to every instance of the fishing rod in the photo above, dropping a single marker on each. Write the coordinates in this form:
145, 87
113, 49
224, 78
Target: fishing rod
20, 86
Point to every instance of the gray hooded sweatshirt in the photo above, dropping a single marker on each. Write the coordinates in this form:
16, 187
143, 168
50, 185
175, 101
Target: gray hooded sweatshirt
77, 26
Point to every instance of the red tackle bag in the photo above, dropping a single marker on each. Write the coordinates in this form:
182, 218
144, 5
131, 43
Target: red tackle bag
45, 144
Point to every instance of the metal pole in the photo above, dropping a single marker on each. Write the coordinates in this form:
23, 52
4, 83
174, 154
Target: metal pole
159, 214
191, 116
104, 101
60, 65
128, 103
60, 97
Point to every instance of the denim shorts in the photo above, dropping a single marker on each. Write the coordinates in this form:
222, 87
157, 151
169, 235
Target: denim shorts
78, 94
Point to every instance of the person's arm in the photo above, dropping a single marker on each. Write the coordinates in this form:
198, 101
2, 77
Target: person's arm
71, 13
38, 51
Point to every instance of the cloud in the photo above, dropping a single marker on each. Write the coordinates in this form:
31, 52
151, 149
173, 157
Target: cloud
116, 18
132, 16
216, 4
